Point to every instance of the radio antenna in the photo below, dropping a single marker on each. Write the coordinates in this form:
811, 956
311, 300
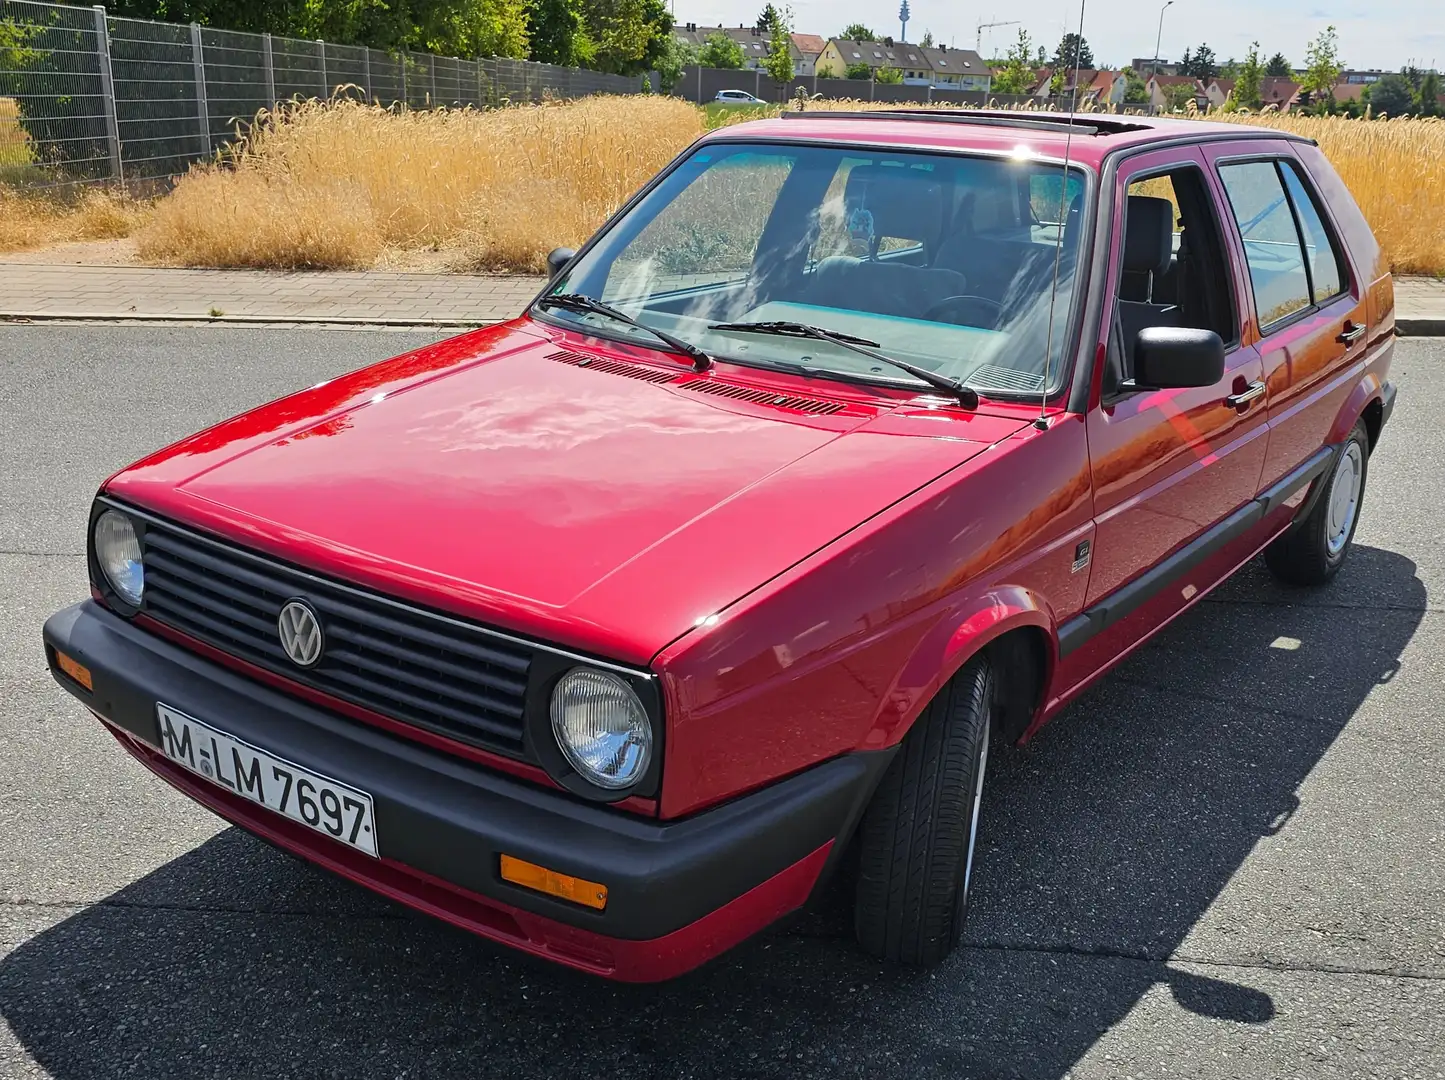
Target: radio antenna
1042, 422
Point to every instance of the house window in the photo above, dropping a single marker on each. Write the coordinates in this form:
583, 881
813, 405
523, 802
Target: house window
877, 55
857, 55
942, 62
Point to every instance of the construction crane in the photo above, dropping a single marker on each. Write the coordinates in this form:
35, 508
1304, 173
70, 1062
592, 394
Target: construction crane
978, 39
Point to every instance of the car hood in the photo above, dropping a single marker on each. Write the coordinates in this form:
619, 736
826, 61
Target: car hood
573, 503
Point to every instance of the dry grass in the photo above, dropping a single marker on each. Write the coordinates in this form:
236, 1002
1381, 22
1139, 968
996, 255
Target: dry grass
343, 185
31, 221
338, 184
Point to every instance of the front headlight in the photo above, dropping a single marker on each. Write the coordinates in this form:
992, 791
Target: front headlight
117, 550
601, 728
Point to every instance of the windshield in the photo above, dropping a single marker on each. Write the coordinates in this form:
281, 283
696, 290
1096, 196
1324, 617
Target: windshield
945, 261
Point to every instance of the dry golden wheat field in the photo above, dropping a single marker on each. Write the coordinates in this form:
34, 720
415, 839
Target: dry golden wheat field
343, 185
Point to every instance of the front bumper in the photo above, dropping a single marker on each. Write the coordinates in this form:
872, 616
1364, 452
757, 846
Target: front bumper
679, 892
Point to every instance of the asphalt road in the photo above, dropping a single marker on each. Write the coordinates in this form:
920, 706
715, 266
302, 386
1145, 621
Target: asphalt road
1226, 861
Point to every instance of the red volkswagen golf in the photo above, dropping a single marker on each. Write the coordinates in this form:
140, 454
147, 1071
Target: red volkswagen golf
852, 444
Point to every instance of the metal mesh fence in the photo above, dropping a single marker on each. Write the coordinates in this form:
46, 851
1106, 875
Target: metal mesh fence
85, 97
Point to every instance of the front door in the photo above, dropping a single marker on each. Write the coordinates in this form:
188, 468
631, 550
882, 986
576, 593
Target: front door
1169, 466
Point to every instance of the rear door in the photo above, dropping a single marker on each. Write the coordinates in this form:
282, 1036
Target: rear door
1306, 312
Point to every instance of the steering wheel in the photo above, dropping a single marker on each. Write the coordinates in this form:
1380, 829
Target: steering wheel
967, 310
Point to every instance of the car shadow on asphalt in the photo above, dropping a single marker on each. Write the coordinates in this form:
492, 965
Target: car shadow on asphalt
1104, 843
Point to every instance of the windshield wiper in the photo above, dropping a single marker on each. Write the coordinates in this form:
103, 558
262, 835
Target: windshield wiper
967, 395
701, 361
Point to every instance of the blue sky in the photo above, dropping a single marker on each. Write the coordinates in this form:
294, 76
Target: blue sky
1384, 34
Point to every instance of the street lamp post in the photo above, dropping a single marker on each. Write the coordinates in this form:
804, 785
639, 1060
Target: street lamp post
1160, 35
1157, 39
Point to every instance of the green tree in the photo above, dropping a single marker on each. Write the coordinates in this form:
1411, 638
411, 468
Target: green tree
1178, 96
825, 71
767, 17
1322, 65
669, 66
857, 32
720, 51
887, 74
1017, 75
1136, 90
1245, 94
1391, 96
779, 62
1202, 64
558, 32
858, 71
1428, 103
1278, 66
1073, 52
926, 41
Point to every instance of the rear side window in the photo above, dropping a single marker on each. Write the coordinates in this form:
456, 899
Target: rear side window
1271, 240
1321, 252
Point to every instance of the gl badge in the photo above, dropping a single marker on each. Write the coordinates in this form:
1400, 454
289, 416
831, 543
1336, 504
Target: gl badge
300, 632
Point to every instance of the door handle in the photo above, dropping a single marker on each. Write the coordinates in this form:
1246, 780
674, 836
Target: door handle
1245, 396
1350, 334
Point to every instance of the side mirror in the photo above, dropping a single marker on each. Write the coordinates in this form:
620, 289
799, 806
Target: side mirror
559, 258
1168, 357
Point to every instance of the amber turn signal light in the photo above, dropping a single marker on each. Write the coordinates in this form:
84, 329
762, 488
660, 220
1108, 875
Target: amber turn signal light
531, 876
74, 668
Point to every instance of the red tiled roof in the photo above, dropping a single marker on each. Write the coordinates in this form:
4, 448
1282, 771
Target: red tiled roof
809, 44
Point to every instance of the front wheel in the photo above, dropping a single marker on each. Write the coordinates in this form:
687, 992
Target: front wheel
1313, 550
916, 840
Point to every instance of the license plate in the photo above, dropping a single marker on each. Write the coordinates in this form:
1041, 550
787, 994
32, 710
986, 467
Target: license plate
341, 812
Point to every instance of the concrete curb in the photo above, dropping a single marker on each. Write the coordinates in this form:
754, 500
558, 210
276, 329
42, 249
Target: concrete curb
1422, 326
330, 320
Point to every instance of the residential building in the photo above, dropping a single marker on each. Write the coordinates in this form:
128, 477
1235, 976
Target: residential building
1094, 87
1159, 87
1277, 90
941, 67
1216, 93
1147, 66
810, 47
753, 41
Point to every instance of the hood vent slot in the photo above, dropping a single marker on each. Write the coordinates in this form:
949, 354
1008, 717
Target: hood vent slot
612, 367
815, 406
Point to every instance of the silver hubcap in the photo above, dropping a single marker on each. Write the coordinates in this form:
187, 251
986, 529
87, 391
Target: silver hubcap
977, 799
1344, 498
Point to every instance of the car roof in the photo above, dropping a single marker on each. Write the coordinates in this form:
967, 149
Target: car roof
1090, 137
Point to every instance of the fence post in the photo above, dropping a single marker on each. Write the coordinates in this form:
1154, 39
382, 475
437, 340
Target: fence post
366, 74
107, 89
757, 82
270, 66
401, 63
198, 64
432, 64
699, 84
325, 82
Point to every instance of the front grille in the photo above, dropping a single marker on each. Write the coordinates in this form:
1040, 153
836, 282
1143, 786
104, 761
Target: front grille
394, 660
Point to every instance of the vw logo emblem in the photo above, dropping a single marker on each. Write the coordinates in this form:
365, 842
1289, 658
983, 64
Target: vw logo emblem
300, 632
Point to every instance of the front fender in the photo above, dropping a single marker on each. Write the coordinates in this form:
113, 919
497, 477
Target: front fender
955, 638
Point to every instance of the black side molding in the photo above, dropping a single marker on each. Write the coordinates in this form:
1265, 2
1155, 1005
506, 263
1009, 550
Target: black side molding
1129, 597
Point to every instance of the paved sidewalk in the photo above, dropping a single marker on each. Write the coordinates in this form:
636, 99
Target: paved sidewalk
1420, 306
139, 292
43, 291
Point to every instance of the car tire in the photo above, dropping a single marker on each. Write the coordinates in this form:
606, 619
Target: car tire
916, 839
1314, 549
